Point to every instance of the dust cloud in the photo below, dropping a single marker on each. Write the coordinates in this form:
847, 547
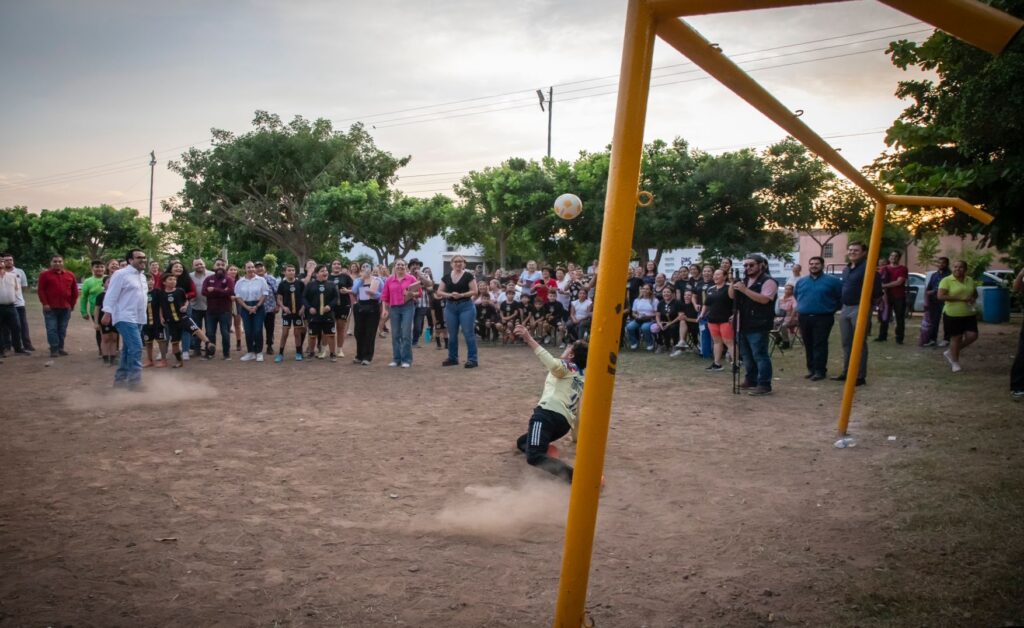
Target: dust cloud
157, 389
502, 511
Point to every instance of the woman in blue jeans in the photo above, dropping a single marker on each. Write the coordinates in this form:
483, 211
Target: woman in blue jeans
399, 298
250, 293
459, 287
643, 311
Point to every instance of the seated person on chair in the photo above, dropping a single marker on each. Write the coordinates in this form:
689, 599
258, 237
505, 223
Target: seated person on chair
787, 323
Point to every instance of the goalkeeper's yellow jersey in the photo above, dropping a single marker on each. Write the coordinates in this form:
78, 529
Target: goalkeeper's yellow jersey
563, 388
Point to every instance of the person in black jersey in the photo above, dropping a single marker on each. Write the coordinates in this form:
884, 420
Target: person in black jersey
527, 313
153, 330
668, 318
320, 298
552, 316
173, 311
459, 287
690, 316
486, 318
289, 301
108, 335
342, 280
717, 310
437, 325
508, 315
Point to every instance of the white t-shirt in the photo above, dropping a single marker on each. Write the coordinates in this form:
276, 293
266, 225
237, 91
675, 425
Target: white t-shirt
529, 279
564, 299
583, 309
19, 299
644, 307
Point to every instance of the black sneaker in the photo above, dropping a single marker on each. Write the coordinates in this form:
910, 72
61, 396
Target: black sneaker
450, 363
760, 391
62, 352
715, 367
471, 365
1017, 395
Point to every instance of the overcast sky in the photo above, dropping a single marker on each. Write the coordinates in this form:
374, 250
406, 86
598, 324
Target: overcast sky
91, 87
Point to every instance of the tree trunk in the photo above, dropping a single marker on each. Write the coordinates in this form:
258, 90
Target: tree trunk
657, 257
502, 248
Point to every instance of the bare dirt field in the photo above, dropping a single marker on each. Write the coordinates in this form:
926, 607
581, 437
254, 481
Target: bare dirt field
245, 494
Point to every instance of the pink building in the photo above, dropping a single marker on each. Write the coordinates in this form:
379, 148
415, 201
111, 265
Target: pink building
835, 251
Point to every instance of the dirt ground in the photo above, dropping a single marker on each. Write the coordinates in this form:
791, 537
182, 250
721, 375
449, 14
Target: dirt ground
245, 494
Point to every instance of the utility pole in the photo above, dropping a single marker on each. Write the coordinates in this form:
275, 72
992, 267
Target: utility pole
152, 172
551, 108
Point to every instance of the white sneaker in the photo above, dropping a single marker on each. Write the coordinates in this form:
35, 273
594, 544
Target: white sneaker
949, 357
633, 347
561, 346
943, 343
406, 365
184, 356
248, 357
676, 353
259, 357
956, 367
392, 363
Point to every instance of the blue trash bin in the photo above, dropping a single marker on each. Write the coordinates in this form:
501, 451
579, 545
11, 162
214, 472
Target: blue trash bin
706, 342
995, 304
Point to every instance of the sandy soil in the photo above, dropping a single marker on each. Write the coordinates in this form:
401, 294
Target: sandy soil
244, 494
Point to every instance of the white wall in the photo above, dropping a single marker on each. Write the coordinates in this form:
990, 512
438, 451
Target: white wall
432, 253
671, 260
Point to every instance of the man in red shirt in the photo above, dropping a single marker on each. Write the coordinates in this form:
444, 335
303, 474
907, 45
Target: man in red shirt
58, 292
894, 282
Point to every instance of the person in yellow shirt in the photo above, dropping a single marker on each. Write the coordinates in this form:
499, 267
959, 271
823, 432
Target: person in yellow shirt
557, 412
958, 292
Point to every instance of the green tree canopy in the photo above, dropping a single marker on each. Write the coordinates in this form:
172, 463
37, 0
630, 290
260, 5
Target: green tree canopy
501, 207
261, 182
388, 222
962, 135
92, 231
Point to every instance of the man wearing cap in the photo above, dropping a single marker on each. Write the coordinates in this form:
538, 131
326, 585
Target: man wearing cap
755, 312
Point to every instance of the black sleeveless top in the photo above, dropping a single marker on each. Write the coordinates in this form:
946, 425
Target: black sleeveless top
719, 304
462, 285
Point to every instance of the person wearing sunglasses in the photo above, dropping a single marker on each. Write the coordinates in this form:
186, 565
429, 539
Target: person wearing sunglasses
755, 315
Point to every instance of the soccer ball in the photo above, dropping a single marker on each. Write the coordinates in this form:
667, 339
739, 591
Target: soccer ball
568, 206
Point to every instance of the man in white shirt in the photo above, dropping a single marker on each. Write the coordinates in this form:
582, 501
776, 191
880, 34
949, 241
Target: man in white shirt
10, 290
124, 307
19, 302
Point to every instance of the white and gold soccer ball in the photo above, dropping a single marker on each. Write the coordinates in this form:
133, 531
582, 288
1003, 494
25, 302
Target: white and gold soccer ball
568, 206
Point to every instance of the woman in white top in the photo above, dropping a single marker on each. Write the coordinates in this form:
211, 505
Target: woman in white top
580, 313
367, 311
643, 312
564, 293
250, 293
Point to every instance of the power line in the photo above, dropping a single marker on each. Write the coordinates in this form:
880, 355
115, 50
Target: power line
106, 169
385, 123
563, 84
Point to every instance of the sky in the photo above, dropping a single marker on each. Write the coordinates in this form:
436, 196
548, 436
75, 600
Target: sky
92, 87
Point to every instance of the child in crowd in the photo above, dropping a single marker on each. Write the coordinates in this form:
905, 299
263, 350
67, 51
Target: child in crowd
668, 318
557, 412
153, 330
486, 318
537, 314
690, 316
289, 301
173, 306
552, 316
108, 335
508, 313
320, 298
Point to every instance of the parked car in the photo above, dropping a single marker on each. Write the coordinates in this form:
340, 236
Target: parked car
997, 278
915, 292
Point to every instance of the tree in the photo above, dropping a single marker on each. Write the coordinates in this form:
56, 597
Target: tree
963, 134
731, 213
92, 231
928, 248
388, 222
499, 205
261, 181
798, 181
670, 221
841, 207
189, 240
16, 238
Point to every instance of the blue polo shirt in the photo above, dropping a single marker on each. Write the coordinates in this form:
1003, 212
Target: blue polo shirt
853, 281
818, 295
